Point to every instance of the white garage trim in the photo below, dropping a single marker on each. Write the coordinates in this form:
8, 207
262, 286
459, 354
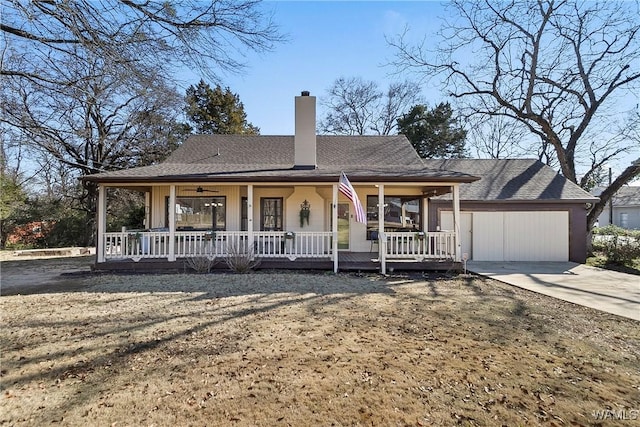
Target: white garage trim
513, 235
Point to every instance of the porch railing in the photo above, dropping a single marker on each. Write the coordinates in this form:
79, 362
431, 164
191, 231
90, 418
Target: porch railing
421, 245
278, 244
137, 245
206, 243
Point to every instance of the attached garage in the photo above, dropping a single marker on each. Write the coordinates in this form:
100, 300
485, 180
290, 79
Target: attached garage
513, 236
520, 210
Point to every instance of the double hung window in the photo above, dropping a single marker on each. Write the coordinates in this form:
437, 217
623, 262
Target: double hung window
271, 214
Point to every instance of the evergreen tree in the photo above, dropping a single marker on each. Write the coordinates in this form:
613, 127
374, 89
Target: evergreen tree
12, 202
433, 133
217, 111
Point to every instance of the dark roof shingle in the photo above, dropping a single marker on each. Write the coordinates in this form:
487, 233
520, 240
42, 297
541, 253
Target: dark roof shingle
512, 179
264, 158
242, 158
274, 150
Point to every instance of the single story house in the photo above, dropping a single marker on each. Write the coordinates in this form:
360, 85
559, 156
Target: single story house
279, 198
626, 208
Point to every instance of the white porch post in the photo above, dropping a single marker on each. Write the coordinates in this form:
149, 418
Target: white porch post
172, 223
102, 221
250, 217
334, 227
382, 244
147, 210
425, 218
456, 220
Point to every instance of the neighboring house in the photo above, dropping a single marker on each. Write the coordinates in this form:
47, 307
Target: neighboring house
520, 210
626, 208
278, 197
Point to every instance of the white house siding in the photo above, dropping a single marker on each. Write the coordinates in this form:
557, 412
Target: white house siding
261, 192
158, 195
320, 198
632, 217
317, 212
232, 194
292, 197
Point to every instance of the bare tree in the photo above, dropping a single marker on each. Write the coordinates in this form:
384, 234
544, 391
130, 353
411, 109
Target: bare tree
496, 137
560, 68
101, 123
359, 107
11, 155
90, 83
132, 34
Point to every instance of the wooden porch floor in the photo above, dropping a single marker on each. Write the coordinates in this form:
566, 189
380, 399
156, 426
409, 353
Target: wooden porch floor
347, 261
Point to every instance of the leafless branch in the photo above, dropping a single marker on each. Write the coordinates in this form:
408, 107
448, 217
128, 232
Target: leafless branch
561, 69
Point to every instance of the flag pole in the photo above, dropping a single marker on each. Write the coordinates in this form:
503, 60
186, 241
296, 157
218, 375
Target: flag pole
334, 227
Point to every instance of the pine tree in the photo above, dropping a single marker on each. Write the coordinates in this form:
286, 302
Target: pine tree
433, 133
217, 111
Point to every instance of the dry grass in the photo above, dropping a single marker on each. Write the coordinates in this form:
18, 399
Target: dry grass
311, 349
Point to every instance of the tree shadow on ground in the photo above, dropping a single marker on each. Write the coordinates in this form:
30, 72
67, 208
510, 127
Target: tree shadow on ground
211, 301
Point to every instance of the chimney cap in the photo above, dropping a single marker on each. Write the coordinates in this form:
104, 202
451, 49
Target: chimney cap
305, 93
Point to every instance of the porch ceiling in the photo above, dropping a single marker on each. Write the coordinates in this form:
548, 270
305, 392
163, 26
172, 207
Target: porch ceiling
434, 191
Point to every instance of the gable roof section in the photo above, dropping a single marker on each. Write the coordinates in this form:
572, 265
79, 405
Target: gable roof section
513, 180
241, 158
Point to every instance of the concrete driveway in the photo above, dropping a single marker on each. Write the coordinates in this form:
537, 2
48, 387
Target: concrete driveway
605, 290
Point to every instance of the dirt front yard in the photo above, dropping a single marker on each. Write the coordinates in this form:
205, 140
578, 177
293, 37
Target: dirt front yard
312, 349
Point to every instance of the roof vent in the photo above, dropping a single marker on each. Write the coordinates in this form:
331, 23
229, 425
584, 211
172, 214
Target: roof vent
305, 93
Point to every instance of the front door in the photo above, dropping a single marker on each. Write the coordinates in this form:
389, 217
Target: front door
343, 226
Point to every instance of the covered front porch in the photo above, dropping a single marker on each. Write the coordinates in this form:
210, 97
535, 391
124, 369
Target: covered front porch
275, 247
267, 221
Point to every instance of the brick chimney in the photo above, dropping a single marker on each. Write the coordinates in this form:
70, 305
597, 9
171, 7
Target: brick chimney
305, 137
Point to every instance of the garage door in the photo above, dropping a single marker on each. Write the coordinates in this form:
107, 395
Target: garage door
516, 236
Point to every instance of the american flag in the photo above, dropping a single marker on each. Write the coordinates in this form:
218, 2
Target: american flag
347, 189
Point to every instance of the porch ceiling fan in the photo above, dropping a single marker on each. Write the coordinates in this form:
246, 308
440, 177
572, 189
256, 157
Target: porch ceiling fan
201, 190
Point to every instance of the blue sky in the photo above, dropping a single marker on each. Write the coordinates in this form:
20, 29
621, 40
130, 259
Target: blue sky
327, 40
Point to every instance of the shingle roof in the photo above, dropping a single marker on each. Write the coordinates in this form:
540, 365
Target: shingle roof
240, 158
271, 158
279, 150
626, 196
512, 179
